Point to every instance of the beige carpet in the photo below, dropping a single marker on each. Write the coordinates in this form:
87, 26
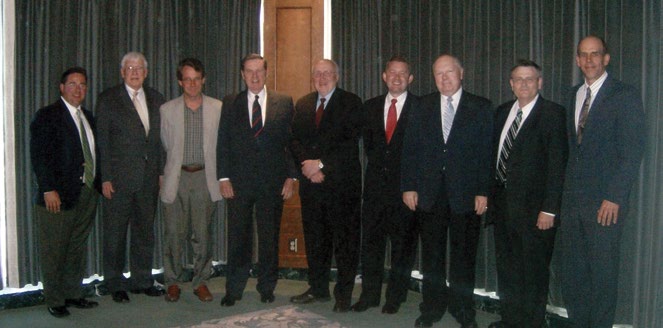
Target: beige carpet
283, 316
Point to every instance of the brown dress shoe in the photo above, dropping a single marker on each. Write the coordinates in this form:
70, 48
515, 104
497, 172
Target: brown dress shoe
203, 293
173, 293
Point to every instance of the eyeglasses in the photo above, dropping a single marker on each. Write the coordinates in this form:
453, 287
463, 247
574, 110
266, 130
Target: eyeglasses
74, 85
135, 68
190, 81
325, 74
527, 80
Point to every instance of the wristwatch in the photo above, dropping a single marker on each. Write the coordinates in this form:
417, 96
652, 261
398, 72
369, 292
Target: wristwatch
320, 165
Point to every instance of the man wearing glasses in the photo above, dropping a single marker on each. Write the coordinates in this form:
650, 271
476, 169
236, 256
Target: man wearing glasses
131, 152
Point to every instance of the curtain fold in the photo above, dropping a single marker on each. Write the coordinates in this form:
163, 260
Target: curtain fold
488, 37
54, 35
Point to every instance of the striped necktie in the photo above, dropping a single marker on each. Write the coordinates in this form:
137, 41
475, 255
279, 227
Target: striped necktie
506, 146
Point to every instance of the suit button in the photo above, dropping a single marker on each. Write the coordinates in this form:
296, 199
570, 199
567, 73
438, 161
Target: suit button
444, 168
388, 152
445, 150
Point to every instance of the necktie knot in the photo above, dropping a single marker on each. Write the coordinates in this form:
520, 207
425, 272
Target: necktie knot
393, 101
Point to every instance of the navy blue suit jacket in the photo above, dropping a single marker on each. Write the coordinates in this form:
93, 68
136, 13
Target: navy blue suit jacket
606, 164
57, 155
459, 168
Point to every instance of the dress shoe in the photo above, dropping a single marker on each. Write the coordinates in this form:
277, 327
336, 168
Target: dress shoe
469, 324
228, 301
341, 307
173, 293
498, 324
58, 311
80, 303
426, 320
149, 291
362, 305
120, 296
309, 297
390, 308
267, 297
203, 293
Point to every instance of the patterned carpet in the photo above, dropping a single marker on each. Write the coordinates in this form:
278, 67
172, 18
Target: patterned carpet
288, 316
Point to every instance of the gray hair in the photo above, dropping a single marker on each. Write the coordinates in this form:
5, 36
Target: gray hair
133, 55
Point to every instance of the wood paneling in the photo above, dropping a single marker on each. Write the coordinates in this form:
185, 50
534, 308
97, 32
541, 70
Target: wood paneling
293, 36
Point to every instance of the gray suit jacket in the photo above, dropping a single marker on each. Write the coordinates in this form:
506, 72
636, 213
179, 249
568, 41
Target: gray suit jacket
172, 139
127, 156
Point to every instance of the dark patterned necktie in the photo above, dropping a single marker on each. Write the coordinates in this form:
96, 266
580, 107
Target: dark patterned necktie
319, 112
506, 146
256, 118
584, 112
88, 174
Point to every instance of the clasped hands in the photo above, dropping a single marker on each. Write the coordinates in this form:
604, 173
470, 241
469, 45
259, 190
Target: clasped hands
311, 170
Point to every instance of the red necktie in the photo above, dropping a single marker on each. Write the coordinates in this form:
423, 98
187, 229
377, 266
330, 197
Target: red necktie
391, 120
319, 112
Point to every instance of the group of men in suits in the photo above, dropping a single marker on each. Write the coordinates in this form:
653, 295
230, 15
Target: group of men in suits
435, 165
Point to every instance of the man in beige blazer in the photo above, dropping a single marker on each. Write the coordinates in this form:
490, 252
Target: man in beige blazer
189, 188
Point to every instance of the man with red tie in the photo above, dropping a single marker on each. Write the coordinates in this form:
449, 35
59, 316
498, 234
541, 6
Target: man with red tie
384, 215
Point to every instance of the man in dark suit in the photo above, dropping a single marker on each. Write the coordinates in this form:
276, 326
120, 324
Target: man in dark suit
326, 130
529, 153
445, 178
131, 155
605, 124
257, 174
62, 151
384, 214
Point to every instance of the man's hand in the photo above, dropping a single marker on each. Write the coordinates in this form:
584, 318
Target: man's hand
480, 204
545, 221
107, 189
288, 188
607, 213
227, 191
310, 167
411, 199
52, 200
318, 177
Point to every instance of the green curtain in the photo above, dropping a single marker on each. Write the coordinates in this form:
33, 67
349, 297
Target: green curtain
54, 35
488, 37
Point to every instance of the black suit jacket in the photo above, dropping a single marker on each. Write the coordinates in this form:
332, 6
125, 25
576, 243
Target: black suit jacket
335, 142
607, 162
383, 169
535, 168
460, 167
250, 162
57, 155
127, 155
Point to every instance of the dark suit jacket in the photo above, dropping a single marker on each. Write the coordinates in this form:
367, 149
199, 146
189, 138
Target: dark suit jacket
57, 155
127, 155
607, 162
535, 168
335, 142
460, 167
250, 162
383, 170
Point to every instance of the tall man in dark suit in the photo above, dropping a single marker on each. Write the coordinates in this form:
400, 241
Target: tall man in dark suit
131, 155
605, 123
62, 151
326, 130
445, 178
257, 174
384, 214
529, 153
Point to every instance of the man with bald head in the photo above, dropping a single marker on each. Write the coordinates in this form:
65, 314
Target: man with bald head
445, 178
326, 129
605, 121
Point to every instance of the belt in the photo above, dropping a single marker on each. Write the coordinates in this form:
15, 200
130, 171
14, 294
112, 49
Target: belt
192, 168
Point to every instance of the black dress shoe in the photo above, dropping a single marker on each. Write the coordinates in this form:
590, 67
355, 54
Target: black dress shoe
309, 297
120, 296
390, 308
469, 324
228, 301
498, 324
80, 303
426, 320
341, 307
267, 298
58, 311
362, 305
149, 291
